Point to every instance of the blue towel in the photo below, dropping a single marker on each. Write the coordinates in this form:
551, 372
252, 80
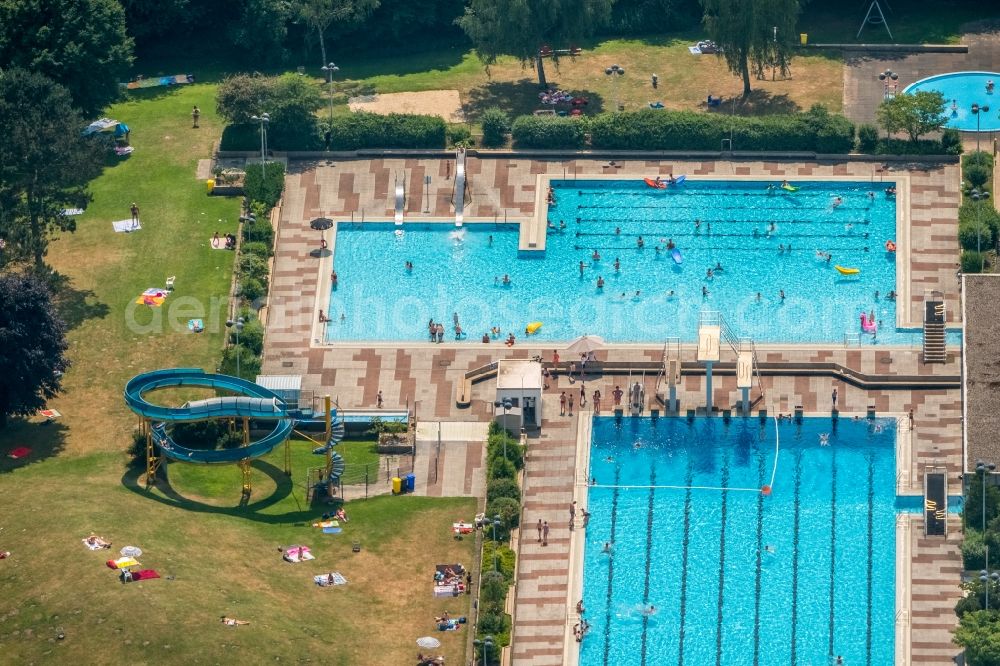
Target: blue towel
332, 530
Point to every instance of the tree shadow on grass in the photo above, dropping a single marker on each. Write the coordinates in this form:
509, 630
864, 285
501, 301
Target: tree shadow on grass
75, 306
521, 98
759, 103
165, 493
45, 439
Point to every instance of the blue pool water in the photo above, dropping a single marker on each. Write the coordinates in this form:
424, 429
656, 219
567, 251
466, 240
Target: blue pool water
461, 271
966, 89
703, 557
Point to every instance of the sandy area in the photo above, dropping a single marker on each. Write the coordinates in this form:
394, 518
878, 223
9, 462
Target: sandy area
982, 308
444, 103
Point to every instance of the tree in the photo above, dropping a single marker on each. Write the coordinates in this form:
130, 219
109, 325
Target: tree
979, 633
81, 44
916, 114
45, 163
32, 346
753, 34
319, 14
520, 28
261, 28
147, 19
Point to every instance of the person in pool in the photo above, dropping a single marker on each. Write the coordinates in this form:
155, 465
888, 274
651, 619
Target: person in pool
596, 256
618, 265
600, 282
640, 242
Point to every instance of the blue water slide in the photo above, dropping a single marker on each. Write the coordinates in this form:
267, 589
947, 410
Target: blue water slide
254, 401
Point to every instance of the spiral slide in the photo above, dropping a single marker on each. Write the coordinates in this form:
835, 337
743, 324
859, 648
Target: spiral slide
336, 461
254, 401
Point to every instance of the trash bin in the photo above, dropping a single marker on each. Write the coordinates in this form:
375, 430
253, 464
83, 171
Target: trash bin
411, 482
397, 485
803, 38
210, 184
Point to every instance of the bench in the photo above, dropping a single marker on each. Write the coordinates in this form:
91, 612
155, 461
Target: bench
463, 392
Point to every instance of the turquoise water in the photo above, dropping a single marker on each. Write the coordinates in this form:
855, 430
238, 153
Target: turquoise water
744, 226
738, 578
965, 89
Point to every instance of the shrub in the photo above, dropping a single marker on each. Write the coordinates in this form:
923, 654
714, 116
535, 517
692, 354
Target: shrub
503, 488
973, 550
252, 289
867, 138
240, 137
198, 434
975, 236
493, 588
509, 511
258, 249
978, 158
505, 559
251, 337
230, 440
396, 130
249, 362
265, 185
253, 266
496, 125
137, 449
977, 175
902, 147
500, 468
548, 132
259, 232
514, 450
459, 135
493, 623
973, 262
951, 142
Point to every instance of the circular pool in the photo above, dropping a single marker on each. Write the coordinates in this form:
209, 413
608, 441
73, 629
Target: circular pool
961, 90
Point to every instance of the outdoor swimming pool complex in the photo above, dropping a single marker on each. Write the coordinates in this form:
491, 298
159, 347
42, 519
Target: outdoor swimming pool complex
736, 578
765, 238
965, 89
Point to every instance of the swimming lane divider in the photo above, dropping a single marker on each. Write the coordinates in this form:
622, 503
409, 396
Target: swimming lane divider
871, 556
761, 471
611, 573
749, 490
722, 560
649, 552
833, 540
689, 477
795, 553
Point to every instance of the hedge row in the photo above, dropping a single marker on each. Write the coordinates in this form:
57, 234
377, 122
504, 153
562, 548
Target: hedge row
396, 130
549, 132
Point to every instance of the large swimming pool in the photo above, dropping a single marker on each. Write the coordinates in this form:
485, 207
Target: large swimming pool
773, 285
961, 90
735, 577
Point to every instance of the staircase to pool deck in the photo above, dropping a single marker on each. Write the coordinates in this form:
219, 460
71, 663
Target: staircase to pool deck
934, 334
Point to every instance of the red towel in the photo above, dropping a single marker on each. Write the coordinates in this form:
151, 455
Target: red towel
145, 574
19, 452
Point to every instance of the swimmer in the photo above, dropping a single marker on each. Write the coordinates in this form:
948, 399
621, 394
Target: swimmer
771, 229
609, 459
871, 195
769, 549
891, 295
658, 249
506, 279
824, 439
618, 231
954, 106
637, 294
607, 547
489, 241
718, 266
709, 275
697, 224
785, 183
618, 265
781, 294
343, 316
496, 279
649, 610
837, 201
670, 294
876, 294
658, 181
409, 265
758, 297
781, 248
562, 225
640, 242
890, 191
704, 291
581, 268
596, 256
600, 282
550, 225
756, 233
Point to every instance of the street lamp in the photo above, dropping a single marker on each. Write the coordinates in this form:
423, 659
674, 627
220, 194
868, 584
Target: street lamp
496, 524
615, 72
774, 54
885, 77
975, 111
238, 326
978, 196
330, 69
263, 119
982, 467
506, 404
486, 644
987, 578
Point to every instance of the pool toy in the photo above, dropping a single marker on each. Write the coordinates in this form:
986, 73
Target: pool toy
679, 179
890, 246
652, 183
676, 255
868, 325
847, 271
789, 188
532, 327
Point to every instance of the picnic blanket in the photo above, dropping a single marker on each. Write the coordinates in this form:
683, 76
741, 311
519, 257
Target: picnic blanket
153, 297
463, 528
122, 563
297, 554
122, 151
72, 211
153, 82
196, 325
323, 580
144, 574
327, 523
332, 530
125, 226
19, 452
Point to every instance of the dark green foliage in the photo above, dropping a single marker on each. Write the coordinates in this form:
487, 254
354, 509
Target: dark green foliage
137, 449
245, 137
506, 559
973, 262
251, 337
974, 550
80, 44
816, 130
509, 511
915, 114
252, 266
548, 132
396, 130
249, 362
973, 213
903, 147
977, 175
199, 434
492, 623
230, 440
494, 588
867, 138
501, 468
265, 186
260, 231
979, 633
503, 488
262, 250
252, 289
496, 125
978, 158
502, 444
289, 100
951, 142
459, 135
975, 236
32, 346
635, 17
972, 511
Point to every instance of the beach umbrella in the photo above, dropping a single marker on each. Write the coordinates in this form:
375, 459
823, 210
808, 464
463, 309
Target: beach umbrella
428, 642
321, 223
131, 551
586, 344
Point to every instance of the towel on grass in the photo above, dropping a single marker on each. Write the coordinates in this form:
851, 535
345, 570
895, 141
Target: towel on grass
122, 563
332, 530
19, 452
125, 226
144, 574
327, 523
323, 580
297, 554
72, 211
153, 297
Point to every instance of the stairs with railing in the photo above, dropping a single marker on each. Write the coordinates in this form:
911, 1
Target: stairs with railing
934, 334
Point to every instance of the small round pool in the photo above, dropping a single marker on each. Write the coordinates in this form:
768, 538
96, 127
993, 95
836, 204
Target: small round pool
961, 90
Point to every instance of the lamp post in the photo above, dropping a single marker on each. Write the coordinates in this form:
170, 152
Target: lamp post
983, 467
486, 644
506, 404
774, 54
885, 77
330, 69
975, 111
238, 326
263, 119
988, 578
978, 196
615, 72
496, 524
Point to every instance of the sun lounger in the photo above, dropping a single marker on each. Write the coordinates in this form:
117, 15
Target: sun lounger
463, 528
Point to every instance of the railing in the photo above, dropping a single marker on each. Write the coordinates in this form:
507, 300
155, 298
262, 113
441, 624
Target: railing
852, 340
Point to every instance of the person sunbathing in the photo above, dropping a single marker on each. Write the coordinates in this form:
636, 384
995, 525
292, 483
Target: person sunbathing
341, 515
97, 541
444, 618
232, 622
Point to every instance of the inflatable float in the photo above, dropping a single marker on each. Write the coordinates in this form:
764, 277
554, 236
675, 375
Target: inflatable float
890, 246
847, 271
533, 327
868, 325
789, 188
664, 182
676, 255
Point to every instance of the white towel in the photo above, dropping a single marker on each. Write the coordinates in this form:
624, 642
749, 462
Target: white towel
125, 226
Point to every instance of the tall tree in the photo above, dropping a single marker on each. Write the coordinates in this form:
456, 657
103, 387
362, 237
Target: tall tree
979, 634
319, 14
916, 114
79, 43
520, 28
32, 346
45, 163
753, 34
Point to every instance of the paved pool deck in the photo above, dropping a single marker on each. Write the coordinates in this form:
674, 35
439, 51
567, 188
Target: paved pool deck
425, 376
